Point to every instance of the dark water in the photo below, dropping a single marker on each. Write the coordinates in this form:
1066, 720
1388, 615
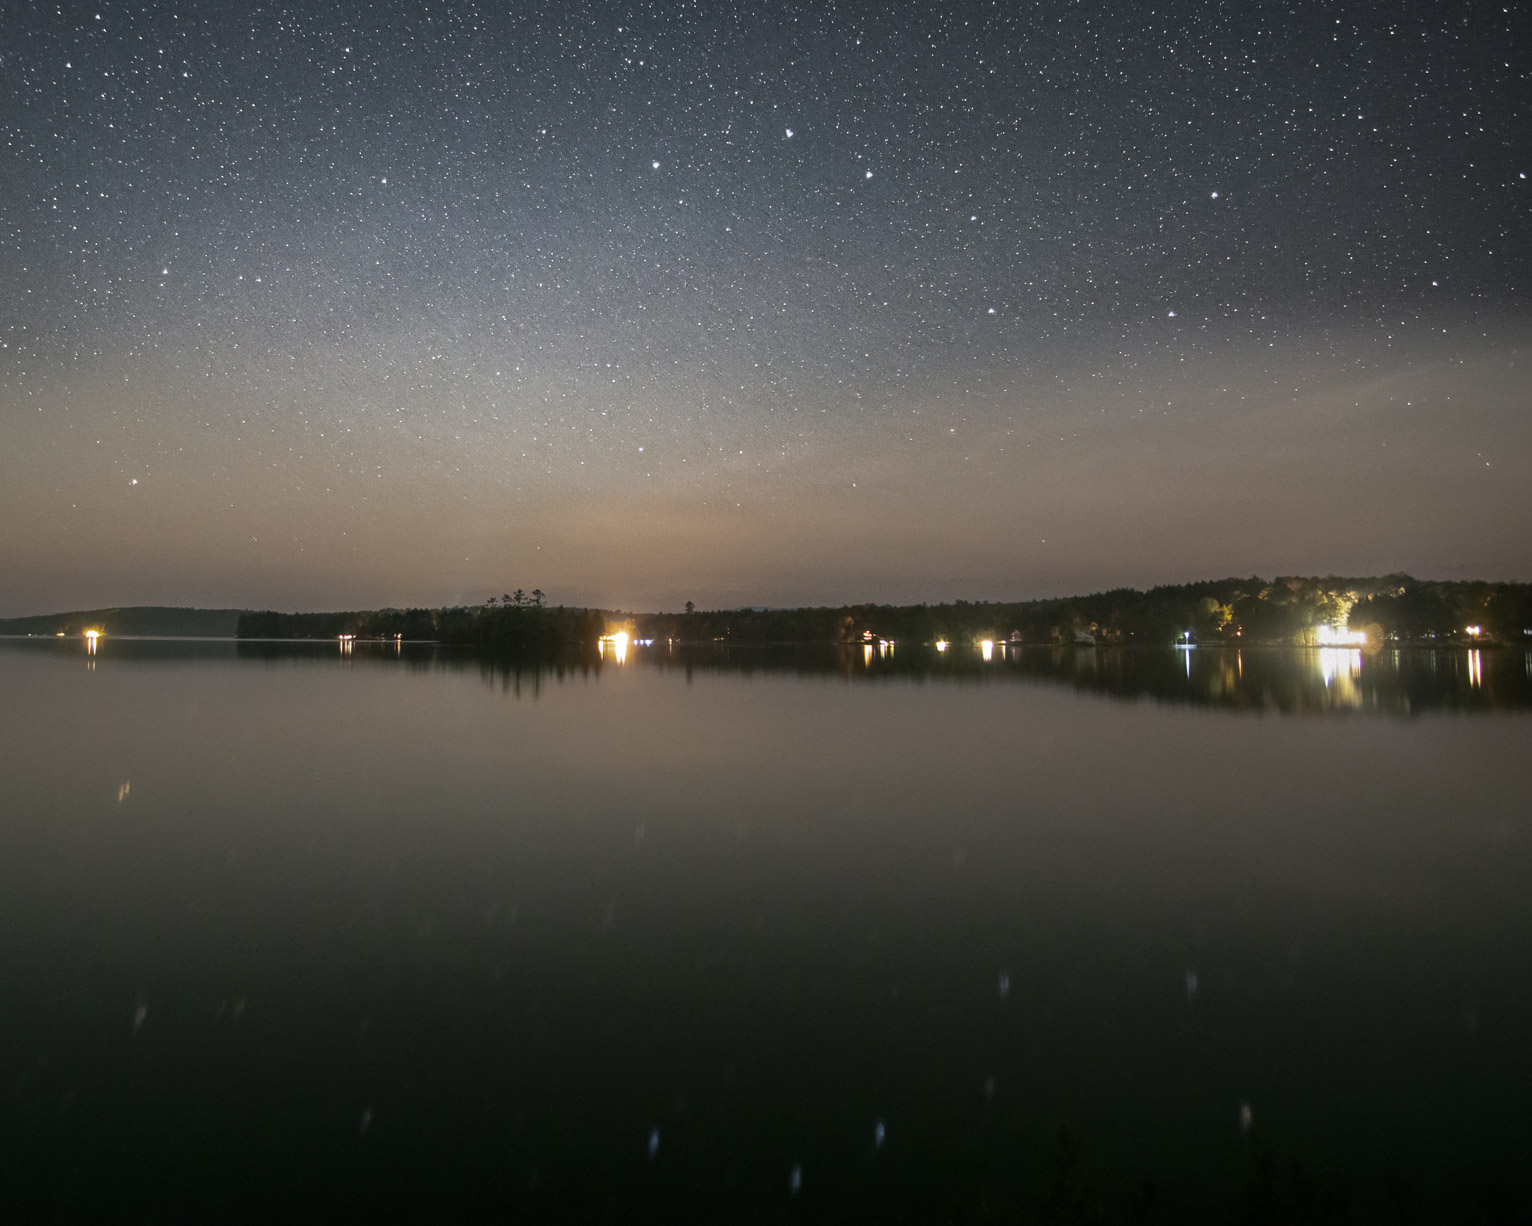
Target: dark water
290, 933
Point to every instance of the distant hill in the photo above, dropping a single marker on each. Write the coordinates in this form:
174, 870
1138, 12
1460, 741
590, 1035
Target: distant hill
150, 620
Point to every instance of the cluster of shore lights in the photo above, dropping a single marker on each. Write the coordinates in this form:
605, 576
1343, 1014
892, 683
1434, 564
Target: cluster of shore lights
619, 642
90, 641
346, 640
1335, 636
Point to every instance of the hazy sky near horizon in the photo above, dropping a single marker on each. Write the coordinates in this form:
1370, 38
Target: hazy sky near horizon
357, 305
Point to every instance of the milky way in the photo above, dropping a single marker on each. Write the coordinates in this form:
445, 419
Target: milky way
757, 304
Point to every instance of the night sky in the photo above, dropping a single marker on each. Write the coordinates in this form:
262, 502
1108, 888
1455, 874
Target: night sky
342, 305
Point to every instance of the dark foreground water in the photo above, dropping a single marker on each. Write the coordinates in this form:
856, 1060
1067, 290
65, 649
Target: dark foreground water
287, 932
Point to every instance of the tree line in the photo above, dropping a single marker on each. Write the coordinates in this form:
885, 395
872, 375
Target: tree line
1285, 610
523, 625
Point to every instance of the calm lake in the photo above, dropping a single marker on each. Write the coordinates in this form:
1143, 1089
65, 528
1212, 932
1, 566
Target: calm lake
290, 931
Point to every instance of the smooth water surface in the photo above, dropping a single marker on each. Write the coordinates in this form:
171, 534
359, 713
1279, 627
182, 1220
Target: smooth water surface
300, 932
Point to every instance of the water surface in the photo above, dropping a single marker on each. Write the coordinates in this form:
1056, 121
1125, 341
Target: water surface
287, 930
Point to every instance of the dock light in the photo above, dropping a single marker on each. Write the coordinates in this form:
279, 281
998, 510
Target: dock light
987, 649
1476, 631
941, 644
90, 641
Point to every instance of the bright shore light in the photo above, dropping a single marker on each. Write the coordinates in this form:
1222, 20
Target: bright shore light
987, 649
619, 643
941, 644
1335, 636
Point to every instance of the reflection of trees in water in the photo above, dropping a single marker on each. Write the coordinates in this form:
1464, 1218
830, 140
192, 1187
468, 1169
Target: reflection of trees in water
1316, 681
1294, 682
520, 673
1282, 681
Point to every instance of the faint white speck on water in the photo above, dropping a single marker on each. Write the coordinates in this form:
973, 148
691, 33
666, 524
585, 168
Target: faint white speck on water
1191, 985
878, 1134
139, 1014
366, 1121
123, 789
1005, 984
795, 1179
654, 1142
1246, 1118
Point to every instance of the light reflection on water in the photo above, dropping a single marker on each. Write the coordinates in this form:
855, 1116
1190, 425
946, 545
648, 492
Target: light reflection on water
1298, 681
1340, 667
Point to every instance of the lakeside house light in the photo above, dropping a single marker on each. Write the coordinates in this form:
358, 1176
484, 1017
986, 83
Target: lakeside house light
90, 641
987, 649
1334, 636
941, 644
1476, 631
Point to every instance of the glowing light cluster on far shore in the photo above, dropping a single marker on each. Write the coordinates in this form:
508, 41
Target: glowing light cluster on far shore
618, 642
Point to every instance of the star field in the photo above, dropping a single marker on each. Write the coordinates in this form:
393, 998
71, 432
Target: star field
398, 303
